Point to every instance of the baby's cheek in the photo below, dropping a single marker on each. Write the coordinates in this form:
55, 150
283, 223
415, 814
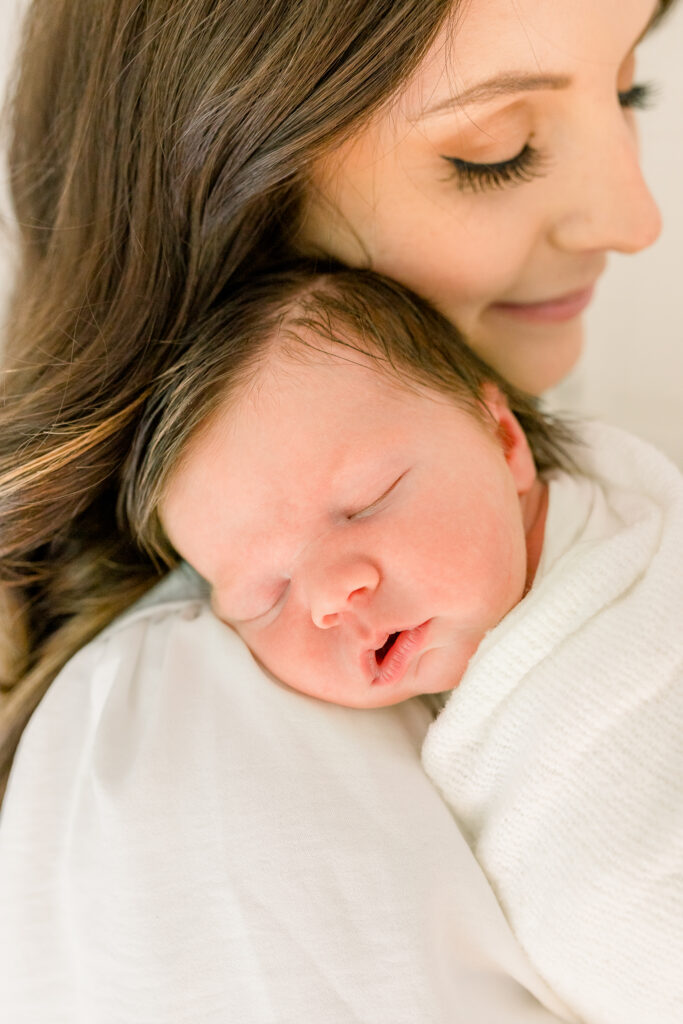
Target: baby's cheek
306, 658
262, 641
280, 647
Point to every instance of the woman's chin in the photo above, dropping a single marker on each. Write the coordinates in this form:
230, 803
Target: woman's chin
532, 357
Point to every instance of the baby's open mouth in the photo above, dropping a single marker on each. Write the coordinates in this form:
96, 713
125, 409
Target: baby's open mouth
397, 653
381, 652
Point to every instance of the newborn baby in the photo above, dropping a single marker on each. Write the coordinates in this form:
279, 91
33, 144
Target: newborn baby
380, 516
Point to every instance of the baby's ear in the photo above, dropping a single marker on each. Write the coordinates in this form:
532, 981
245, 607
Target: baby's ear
512, 438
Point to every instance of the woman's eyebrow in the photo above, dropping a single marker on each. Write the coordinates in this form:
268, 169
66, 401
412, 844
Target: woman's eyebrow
501, 85
513, 82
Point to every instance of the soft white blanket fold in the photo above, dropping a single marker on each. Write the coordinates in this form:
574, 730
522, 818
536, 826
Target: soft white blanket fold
561, 752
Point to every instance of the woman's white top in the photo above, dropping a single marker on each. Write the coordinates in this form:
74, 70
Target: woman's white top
186, 841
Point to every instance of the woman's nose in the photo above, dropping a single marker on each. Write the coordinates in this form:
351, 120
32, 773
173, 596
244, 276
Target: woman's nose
336, 589
612, 207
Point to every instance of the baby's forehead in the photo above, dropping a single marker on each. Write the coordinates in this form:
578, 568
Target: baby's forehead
330, 398
307, 391
294, 351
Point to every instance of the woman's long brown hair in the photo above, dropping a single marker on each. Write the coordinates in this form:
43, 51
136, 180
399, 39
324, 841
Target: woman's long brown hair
159, 153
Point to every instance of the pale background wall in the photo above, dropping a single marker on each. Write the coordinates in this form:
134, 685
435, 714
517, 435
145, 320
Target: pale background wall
632, 370
10, 11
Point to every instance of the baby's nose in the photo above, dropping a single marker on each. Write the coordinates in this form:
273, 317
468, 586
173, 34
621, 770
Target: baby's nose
336, 590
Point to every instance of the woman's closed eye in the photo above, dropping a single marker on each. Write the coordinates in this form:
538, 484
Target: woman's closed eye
529, 162
482, 177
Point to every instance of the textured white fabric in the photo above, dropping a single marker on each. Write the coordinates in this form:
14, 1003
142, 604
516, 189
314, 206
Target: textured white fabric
185, 841
561, 752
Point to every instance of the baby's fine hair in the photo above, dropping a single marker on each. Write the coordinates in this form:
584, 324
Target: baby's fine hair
302, 309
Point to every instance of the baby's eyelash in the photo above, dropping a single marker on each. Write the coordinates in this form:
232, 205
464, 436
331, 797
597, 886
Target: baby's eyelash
274, 606
476, 177
369, 509
641, 96
278, 602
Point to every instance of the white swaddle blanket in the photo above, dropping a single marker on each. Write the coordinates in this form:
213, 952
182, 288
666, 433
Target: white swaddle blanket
561, 752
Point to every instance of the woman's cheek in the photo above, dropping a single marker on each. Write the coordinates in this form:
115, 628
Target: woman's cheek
459, 268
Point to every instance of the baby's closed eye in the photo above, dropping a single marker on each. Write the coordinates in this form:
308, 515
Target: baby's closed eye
374, 505
249, 610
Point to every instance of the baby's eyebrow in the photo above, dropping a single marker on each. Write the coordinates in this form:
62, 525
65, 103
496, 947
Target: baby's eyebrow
500, 85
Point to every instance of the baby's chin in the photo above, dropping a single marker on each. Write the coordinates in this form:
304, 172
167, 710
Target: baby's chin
438, 668
385, 695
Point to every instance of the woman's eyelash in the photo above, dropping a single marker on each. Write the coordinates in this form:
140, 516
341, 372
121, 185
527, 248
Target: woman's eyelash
527, 165
477, 177
640, 96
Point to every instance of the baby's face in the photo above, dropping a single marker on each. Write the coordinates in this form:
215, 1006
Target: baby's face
361, 537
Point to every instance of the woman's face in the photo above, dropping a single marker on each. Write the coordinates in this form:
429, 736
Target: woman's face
498, 181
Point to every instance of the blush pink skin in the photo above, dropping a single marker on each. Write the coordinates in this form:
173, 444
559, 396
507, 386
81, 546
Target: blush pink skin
380, 510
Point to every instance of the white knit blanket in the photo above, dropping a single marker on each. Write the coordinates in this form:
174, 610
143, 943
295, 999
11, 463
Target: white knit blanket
561, 751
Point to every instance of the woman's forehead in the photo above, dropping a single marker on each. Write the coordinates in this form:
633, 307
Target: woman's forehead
487, 46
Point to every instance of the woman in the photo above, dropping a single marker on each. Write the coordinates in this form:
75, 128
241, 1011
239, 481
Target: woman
211, 846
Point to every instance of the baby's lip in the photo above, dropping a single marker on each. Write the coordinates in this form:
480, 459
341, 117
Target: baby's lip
377, 638
395, 661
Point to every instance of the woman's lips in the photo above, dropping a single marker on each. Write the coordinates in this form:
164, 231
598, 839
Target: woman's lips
396, 661
553, 311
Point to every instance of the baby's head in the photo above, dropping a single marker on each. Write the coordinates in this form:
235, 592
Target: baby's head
350, 479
